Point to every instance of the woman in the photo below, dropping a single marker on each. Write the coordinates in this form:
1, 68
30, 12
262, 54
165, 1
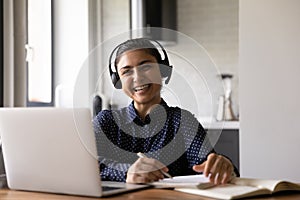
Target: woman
173, 139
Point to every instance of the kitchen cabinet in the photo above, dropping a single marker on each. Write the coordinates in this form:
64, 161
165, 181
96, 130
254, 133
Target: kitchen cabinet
228, 141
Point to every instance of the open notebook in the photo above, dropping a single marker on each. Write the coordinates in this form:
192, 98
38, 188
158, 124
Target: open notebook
53, 150
191, 181
242, 188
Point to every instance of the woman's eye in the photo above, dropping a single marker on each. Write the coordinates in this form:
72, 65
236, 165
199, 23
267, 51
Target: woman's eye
146, 67
125, 72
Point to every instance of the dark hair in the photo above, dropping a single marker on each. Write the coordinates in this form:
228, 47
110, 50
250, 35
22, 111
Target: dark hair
135, 44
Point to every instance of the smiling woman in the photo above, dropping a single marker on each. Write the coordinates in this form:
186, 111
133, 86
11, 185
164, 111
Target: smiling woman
149, 125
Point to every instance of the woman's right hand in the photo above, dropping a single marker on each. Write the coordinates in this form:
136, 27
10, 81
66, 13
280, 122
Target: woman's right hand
145, 170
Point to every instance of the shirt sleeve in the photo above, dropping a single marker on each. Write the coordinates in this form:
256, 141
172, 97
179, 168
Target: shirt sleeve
111, 169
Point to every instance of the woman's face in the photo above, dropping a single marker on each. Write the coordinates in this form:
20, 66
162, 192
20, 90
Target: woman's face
140, 76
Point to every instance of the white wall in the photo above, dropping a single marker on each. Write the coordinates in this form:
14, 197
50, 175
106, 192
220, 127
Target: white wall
115, 22
269, 88
214, 25
115, 18
70, 45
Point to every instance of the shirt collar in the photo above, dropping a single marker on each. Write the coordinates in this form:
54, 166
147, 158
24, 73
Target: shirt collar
132, 113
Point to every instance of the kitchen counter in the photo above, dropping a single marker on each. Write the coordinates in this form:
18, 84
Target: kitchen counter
224, 125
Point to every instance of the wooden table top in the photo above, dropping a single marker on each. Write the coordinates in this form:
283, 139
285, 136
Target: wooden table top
157, 194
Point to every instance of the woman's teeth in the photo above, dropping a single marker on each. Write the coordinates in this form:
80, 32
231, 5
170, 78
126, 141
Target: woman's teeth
141, 87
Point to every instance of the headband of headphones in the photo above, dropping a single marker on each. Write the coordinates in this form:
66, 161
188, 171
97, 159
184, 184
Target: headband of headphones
165, 69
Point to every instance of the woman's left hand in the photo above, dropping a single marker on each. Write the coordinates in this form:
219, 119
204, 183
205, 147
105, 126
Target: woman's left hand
219, 168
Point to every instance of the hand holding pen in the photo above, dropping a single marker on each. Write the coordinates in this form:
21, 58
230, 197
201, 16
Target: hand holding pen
146, 170
141, 155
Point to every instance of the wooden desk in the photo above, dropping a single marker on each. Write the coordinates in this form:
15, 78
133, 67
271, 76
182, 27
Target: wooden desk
158, 194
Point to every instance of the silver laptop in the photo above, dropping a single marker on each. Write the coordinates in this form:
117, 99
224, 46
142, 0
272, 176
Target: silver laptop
53, 150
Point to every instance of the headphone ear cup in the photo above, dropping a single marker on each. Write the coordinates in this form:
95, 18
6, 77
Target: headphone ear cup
116, 80
166, 72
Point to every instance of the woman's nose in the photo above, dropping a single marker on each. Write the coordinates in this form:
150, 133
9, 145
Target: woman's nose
138, 75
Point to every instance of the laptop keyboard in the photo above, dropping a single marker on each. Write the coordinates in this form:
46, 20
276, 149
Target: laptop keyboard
109, 188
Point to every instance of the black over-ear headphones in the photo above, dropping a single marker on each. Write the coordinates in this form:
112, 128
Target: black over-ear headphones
165, 67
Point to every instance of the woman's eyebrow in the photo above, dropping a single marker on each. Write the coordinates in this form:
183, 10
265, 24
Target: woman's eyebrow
126, 67
140, 63
145, 61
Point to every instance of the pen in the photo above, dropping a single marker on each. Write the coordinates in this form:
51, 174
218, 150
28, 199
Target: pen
141, 155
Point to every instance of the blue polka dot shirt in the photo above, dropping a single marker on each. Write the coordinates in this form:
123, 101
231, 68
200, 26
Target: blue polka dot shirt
169, 134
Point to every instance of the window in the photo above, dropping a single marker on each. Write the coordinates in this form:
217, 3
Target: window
39, 53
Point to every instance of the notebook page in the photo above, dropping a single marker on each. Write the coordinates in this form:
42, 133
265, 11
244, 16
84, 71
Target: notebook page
228, 191
199, 181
